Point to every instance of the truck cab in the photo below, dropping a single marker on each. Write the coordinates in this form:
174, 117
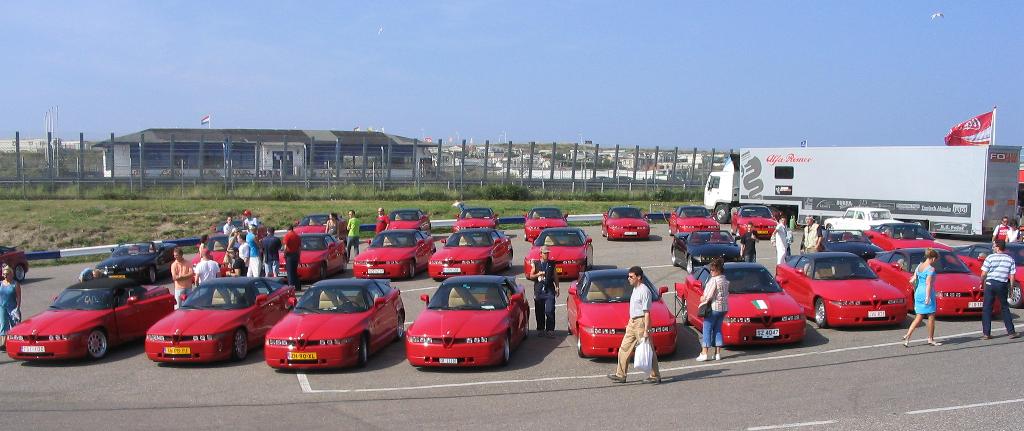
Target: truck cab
722, 192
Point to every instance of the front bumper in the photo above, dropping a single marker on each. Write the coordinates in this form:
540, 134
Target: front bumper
441, 271
607, 345
464, 355
198, 351
857, 315
629, 233
386, 271
51, 350
735, 334
328, 356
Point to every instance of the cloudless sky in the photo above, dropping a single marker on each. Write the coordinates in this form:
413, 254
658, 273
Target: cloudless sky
723, 74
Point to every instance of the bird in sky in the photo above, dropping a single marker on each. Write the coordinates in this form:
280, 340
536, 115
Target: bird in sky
381, 30
937, 15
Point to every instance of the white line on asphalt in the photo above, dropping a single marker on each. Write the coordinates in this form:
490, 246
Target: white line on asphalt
309, 390
797, 425
965, 406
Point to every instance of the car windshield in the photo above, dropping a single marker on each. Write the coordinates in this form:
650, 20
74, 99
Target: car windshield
334, 299
314, 243
612, 288
222, 296
842, 268
469, 239
625, 213
393, 239
314, 220
947, 263
217, 243
846, 236
1017, 252
538, 213
694, 212
559, 238
755, 212
405, 215
469, 296
751, 280
910, 231
84, 299
701, 238
134, 249
478, 213
880, 215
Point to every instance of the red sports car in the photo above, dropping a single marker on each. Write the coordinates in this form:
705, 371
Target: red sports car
839, 289
313, 223
337, 323
625, 223
957, 291
759, 215
321, 256
903, 235
472, 320
88, 318
222, 318
14, 258
472, 252
542, 218
689, 218
476, 218
570, 248
409, 219
218, 245
395, 254
974, 255
598, 307
760, 312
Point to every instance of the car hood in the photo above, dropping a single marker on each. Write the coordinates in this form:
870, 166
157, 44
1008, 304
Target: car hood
460, 323
616, 314
404, 224
462, 253
918, 243
53, 322
778, 304
627, 222
696, 221
319, 326
757, 221
310, 229
559, 253
199, 322
724, 250
387, 253
855, 290
475, 222
546, 222
127, 261
956, 282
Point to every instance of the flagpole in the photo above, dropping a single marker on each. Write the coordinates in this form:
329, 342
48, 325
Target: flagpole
993, 125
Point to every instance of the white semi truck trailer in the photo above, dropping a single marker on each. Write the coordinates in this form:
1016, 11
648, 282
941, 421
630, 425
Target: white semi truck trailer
950, 190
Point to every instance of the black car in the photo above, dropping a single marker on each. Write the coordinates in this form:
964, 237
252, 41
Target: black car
142, 261
850, 241
694, 249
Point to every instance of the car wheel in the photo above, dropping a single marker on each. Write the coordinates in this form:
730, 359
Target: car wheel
411, 271
722, 214
400, 329
239, 345
96, 344
323, 271
506, 351
820, 318
151, 275
1013, 297
19, 273
579, 345
363, 355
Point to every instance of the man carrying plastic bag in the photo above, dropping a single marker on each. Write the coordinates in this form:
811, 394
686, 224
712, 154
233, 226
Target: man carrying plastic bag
636, 332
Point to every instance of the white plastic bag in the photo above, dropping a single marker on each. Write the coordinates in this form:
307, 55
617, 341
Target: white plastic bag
643, 356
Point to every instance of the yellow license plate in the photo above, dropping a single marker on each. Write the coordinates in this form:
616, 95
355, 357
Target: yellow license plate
558, 269
177, 350
301, 356
762, 232
117, 276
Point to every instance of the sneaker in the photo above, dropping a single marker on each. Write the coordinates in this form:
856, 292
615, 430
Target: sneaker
1014, 335
654, 380
616, 378
718, 357
986, 337
702, 357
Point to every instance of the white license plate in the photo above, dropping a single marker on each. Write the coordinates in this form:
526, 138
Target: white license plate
376, 271
766, 333
876, 313
451, 270
978, 304
629, 233
33, 349
448, 360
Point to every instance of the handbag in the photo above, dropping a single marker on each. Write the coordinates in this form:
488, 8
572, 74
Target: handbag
704, 310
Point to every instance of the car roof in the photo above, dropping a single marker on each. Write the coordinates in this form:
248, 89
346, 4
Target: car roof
753, 205
827, 254
405, 209
232, 281
400, 231
347, 282
476, 279
743, 265
918, 250
623, 206
105, 284
690, 206
314, 234
562, 229
477, 208
476, 229
545, 208
601, 273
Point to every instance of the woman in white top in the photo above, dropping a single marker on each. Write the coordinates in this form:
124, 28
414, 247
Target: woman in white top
716, 292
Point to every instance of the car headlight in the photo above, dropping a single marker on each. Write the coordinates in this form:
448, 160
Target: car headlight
952, 294
533, 227
307, 265
359, 262
473, 262
276, 342
16, 337
844, 303
896, 301
600, 331
206, 337
472, 340
417, 340
154, 337
657, 329
335, 341
572, 262
58, 337
392, 262
791, 318
437, 262
737, 320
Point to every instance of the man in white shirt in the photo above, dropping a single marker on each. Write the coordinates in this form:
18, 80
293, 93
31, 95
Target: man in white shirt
228, 227
781, 240
206, 269
636, 330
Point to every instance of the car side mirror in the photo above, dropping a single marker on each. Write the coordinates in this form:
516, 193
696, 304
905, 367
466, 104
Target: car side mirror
261, 299
799, 270
663, 290
895, 265
369, 241
516, 297
590, 240
132, 300
781, 278
425, 298
379, 302
292, 301
183, 297
981, 258
573, 291
444, 240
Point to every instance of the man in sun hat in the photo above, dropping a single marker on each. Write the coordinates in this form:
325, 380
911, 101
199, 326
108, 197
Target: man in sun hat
545, 290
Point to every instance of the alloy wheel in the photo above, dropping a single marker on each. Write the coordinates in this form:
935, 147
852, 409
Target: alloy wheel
96, 344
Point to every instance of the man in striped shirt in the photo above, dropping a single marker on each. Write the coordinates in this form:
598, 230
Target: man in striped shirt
997, 273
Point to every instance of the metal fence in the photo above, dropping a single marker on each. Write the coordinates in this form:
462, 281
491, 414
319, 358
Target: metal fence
73, 160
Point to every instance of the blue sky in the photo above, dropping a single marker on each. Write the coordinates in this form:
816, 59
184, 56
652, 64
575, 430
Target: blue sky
708, 74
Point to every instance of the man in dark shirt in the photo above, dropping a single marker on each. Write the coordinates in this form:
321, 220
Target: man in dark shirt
545, 290
292, 247
271, 253
236, 266
748, 244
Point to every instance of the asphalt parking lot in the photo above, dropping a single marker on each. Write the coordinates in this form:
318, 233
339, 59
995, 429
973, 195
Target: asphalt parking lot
834, 379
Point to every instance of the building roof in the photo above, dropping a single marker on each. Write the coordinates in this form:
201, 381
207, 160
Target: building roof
257, 135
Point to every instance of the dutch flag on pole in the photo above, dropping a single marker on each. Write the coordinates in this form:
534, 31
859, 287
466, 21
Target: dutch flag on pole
205, 121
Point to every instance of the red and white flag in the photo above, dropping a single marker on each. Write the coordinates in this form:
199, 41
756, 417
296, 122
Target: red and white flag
976, 131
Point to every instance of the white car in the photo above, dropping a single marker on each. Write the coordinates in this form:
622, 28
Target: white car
860, 218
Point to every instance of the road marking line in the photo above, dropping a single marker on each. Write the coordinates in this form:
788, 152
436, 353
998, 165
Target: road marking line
797, 425
965, 406
304, 383
309, 389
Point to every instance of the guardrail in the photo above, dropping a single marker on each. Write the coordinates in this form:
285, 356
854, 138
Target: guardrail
369, 227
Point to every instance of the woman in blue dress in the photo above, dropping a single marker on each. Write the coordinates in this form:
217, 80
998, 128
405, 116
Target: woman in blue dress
924, 297
10, 304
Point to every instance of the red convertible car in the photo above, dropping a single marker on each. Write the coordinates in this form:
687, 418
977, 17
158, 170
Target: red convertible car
542, 218
222, 318
760, 312
689, 218
570, 248
625, 223
88, 318
218, 245
476, 218
337, 323
395, 254
313, 223
903, 235
759, 215
321, 256
598, 307
409, 219
472, 320
839, 289
957, 291
974, 255
14, 258
471, 252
